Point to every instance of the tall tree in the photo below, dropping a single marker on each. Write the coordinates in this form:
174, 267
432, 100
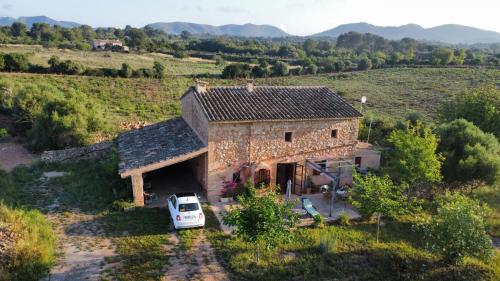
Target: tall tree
377, 195
470, 154
480, 106
18, 29
262, 220
413, 158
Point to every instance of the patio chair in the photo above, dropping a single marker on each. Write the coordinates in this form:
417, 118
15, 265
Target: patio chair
308, 206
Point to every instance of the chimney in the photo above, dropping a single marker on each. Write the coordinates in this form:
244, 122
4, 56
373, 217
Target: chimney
201, 86
250, 86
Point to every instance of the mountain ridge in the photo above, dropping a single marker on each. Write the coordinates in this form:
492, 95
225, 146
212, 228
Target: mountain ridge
243, 30
447, 33
29, 21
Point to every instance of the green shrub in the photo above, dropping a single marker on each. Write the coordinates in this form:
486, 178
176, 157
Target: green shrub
457, 229
15, 62
4, 134
319, 221
344, 219
121, 205
66, 122
328, 242
32, 253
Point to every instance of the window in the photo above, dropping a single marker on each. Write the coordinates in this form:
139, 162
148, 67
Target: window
262, 177
288, 136
335, 133
189, 207
174, 202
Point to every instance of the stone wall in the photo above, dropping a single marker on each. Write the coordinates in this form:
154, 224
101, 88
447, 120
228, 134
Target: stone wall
93, 151
232, 144
192, 113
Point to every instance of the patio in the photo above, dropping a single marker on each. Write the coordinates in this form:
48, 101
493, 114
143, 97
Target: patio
319, 201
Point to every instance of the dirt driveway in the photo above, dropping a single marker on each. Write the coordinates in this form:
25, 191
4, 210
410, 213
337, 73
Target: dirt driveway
14, 154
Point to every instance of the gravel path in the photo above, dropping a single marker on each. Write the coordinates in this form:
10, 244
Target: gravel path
14, 154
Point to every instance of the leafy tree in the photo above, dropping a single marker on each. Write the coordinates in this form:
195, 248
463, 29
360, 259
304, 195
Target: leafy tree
186, 35
16, 62
372, 194
159, 70
260, 72
18, 29
219, 61
126, 70
410, 55
262, 220
280, 69
480, 106
364, 64
470, 154
413, 158
459, 57
309, 45
65, 122
137, 38
236, 70
457, 229
442, 56
396, 58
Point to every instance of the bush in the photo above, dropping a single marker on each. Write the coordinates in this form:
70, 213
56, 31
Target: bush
126, 70
319, 221
121, 205
66, 122
344, 219
280, 69
15, 62
32, 253
180, 54
470, 154
328, 242
237, 70
4, 134
457, 229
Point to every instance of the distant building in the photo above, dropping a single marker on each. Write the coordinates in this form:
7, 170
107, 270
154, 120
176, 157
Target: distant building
108, 45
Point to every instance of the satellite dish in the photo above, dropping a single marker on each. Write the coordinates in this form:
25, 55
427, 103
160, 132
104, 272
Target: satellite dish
363, 99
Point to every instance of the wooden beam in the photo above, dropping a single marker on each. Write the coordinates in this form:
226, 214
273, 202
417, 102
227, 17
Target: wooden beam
162, 164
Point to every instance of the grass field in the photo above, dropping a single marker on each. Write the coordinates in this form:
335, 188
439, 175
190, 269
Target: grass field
189, 66
390, 92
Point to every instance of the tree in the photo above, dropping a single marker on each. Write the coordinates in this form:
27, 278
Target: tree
364, 64
459, 56
280, 69
262, 220
137, 38
159, 69
65, 122
410, 55
18, 29
186, 35
260, 72
126, 70
442, 56
396, 58
470, 154
413, 159
480, 106
457, 229
309, 45
377, 195
16, 62
236, 70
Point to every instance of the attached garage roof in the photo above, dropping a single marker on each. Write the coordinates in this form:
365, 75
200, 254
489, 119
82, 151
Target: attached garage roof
273, 103
163, 142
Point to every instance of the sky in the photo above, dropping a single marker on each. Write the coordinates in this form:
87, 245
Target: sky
298, 17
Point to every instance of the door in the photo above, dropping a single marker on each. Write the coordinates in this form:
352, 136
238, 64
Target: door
357, 162
285, 172
299, 179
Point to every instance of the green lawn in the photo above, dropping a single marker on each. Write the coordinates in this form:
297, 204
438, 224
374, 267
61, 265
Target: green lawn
356, 256
390, 92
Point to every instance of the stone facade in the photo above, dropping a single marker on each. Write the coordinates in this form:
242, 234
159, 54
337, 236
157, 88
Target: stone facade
232, 144
78, 153
192, 113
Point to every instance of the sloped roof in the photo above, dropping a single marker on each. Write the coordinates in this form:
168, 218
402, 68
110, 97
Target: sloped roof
260, 103
156, 143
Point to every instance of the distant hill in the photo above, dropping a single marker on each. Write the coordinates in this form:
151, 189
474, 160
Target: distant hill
244, 30
29, 21
448, 33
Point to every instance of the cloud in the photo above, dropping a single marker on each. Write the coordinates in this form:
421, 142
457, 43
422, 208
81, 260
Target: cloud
232, 10
7, 6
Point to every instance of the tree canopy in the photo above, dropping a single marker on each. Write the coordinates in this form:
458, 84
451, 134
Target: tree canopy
470, 154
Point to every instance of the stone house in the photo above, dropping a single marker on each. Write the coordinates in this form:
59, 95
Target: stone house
268, 135
108, 44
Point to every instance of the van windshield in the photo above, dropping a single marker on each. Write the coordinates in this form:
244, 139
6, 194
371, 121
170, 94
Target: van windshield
188, 207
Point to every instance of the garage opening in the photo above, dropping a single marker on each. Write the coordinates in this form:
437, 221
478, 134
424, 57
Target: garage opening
187, 176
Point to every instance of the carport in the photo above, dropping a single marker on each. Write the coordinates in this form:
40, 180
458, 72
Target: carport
168, 153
